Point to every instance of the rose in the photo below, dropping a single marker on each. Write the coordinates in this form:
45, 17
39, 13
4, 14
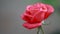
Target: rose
35, 14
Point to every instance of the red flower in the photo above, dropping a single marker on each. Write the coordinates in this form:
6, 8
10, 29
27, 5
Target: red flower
35, 14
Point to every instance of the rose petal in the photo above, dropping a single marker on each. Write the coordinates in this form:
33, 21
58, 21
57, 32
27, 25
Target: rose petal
50, 10
26, 17
31, 26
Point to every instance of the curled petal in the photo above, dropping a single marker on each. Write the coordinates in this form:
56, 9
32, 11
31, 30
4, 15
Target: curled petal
28, 7
26, 17
50, 10
31, 26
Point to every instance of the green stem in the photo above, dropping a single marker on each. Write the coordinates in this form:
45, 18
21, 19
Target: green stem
38, 30
42, 30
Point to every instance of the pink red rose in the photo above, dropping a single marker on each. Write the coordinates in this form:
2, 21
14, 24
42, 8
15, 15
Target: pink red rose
35, 14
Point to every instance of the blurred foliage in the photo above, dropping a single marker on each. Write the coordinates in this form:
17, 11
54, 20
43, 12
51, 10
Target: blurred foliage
54, 3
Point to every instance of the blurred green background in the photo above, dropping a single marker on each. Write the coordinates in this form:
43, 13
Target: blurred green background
11, 23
